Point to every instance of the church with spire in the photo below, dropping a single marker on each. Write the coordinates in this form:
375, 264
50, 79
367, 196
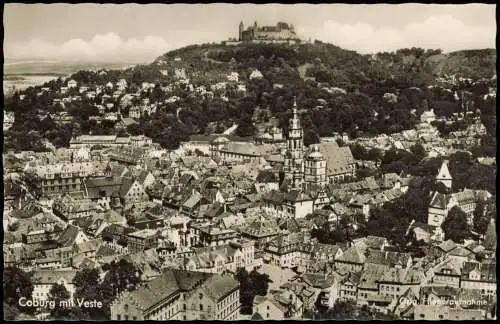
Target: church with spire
306, 172
442, 201
316, 166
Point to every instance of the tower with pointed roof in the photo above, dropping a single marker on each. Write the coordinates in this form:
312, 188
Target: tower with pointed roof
441, 202
294, 155
444, 175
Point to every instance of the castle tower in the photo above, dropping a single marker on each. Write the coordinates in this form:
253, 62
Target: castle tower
254, 30
444, 175
294, 164
240, 35
315, 168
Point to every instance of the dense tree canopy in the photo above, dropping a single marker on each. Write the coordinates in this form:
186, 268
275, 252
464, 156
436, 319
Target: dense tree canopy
340, 91
455, 226
57, 294
16, 284
251, 285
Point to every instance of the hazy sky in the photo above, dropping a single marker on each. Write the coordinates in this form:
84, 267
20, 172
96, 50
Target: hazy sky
140, 33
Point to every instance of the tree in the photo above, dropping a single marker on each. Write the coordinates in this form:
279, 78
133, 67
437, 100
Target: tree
251, 284
245, 126
10, 312
57, 294
359, 152
12, 227
480, 220
419, 151
120, 276
375, 154
455, 225
87, 287
16, 284
311, 137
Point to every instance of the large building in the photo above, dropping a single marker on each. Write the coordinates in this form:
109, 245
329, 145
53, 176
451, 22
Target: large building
282, 32
109, 141
318, 165
60, 178
180, 295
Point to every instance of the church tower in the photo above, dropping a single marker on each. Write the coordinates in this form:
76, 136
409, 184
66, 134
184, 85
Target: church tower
444, 175
241, 31
315, 168
294, 164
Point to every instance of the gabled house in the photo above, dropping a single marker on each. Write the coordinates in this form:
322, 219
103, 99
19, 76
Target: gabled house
352, 260
269, 309
71, 236
295, 204
279, 305
348, 286
480, 276
447, 274
368, 291
311, 287
132, 192
88, 248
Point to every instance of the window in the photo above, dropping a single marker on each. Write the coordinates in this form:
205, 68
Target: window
118, 317
440, 316
126, 317
201, 307
184, 307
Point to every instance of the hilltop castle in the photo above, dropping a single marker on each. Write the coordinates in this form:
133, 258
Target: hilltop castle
282, 32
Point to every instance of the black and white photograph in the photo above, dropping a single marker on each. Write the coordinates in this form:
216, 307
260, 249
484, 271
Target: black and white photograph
227, 162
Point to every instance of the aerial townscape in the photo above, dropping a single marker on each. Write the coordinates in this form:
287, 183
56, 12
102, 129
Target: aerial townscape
261, 178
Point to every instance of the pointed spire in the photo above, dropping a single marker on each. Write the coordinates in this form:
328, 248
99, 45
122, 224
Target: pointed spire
444, 175
294, 106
